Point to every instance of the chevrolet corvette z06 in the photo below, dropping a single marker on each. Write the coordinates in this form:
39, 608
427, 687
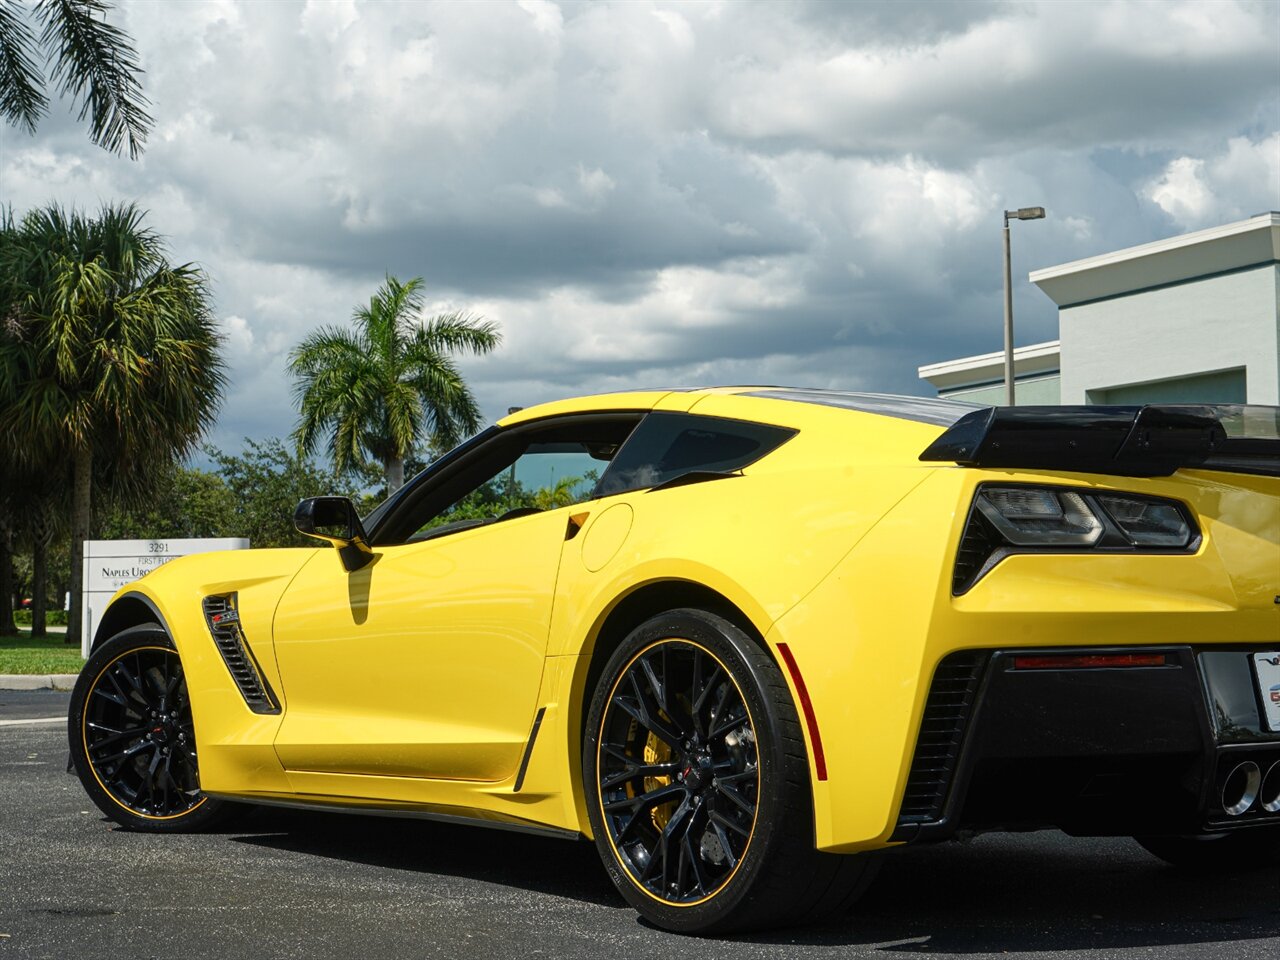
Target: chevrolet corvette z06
746, 640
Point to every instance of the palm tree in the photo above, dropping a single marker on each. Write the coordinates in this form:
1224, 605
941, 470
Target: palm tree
561, 493
108, 355
88, 60
377, 390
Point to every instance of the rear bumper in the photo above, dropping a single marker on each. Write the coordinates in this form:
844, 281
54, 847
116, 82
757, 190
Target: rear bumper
1093, 751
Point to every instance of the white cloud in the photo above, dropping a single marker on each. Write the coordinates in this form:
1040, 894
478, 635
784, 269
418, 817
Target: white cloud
546, 15
1181, 191
653, 192
1242, 180
328, 18
595, 183
678, 27
239, 334
1031, 74
549, 197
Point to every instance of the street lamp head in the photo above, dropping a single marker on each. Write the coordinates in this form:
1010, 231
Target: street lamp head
1026, 213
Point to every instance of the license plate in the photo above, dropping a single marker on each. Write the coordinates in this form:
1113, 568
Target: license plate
1267, 666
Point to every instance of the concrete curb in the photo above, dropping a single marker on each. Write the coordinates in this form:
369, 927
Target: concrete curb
36, 681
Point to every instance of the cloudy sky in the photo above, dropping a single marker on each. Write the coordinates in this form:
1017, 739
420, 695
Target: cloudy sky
649, 194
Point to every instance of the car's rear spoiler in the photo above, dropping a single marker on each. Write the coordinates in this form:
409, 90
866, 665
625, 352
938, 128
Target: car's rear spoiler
1150, 441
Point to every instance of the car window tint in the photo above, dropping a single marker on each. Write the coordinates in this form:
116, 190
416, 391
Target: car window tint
512, 472
545, 477
670, 445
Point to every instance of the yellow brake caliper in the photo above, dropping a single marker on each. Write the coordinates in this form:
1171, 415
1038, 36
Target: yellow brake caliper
657, 751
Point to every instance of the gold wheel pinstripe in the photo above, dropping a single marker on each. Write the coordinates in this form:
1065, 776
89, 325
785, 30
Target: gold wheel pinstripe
692, 785
88, 748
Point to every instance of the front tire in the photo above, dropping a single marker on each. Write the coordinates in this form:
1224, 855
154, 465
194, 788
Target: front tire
697, 784
132, 737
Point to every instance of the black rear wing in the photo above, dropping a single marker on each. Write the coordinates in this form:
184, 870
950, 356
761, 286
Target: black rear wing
1150, 441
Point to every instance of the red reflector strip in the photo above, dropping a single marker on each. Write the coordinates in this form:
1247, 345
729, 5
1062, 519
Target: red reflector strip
806, 707
1090, 660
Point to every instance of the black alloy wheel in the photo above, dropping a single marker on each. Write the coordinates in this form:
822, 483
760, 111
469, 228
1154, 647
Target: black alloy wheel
678, 771
697, 782
132, 736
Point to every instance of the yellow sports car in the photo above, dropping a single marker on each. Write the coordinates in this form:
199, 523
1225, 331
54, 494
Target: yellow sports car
745, 639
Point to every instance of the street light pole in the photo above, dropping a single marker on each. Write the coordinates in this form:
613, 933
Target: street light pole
1023, 213
1008, 317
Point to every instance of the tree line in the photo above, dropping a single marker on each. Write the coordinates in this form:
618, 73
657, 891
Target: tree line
250, 494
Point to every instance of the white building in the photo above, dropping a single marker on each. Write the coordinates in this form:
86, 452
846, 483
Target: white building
1191, 319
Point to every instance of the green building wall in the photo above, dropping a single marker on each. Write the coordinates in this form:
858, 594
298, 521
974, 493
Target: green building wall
1223, 386
1034, 391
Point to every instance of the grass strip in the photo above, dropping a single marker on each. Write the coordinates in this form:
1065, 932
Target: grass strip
38, 655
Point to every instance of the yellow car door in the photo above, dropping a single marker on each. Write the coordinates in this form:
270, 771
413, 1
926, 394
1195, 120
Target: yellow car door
426, 661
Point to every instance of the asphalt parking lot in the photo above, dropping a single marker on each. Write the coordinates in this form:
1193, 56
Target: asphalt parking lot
298, 884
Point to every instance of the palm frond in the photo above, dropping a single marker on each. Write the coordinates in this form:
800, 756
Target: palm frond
390, 315
335, 389
325, 348
450, 409
126, 247
459, 332
95, 64
162, 376
22, 98
403, 410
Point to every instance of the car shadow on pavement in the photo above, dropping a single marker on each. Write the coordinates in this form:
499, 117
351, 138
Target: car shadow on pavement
560, 868
1048, 893
997, 894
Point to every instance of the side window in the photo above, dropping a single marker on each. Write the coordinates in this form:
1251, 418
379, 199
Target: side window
667, 446
522, 470
544, 477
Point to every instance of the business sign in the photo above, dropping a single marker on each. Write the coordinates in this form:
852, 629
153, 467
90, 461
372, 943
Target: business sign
112, 564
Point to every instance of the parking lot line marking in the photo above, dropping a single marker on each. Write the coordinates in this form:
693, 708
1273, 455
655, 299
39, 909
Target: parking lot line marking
32, 722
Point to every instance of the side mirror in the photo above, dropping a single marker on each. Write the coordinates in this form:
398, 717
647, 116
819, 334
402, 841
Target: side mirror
334, 520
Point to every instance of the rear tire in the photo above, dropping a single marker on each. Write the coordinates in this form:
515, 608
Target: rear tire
697, 784
132, 737
1244, 850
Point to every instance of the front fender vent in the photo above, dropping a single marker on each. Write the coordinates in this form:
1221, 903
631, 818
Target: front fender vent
942, 730
222, 615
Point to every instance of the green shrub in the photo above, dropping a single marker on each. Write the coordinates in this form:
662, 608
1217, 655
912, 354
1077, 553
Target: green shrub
52, 618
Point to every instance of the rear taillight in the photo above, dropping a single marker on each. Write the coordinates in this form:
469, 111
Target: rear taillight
1007, 518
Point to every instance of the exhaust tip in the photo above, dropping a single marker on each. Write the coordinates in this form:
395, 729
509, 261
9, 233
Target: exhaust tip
1269, 793
1241, 787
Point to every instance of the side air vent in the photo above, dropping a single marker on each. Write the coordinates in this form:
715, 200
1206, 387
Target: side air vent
942, 730
223, 617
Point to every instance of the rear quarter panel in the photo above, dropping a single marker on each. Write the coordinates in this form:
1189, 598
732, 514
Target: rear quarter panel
763, 541
868, 638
